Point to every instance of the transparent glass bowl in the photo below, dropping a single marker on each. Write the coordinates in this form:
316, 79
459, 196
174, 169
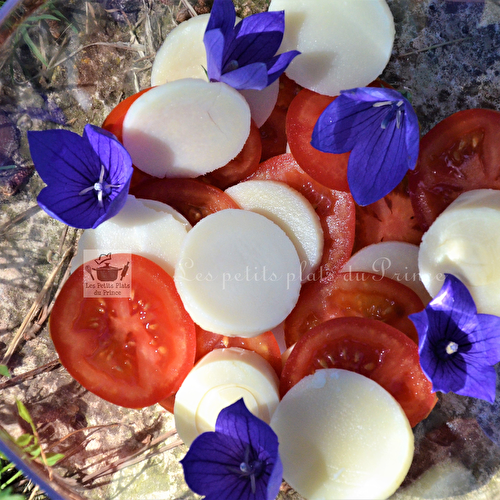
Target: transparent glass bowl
66, 63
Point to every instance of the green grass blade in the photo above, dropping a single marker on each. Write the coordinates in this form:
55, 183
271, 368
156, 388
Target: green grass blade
34, 49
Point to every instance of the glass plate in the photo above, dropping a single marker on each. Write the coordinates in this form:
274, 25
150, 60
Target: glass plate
66, 63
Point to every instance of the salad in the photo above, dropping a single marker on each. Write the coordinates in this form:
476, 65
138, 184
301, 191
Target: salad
288, 162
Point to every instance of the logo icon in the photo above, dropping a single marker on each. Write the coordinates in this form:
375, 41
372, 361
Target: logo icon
107, 275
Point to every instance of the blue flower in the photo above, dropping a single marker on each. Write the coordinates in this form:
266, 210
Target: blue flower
380, 128
458, 347
243, 56
239, 461
87, 177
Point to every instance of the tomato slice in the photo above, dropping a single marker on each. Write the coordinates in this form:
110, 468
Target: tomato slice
391, 218
132, 352
192, 198
327, 168
243, 165
368, 347
358, 294
459, 154
264, 344
334, 208
273, 131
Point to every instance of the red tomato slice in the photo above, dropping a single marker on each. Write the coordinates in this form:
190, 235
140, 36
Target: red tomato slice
327, 168
358, 294
459, 154
273, 132
245, 163
264, 344
389, 219
168, 403
368, 347
334, 208
190, 197
132, 352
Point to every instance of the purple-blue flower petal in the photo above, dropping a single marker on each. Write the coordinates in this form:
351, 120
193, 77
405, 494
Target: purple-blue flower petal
241, 49
257, 38
480, 381
71, 166
212, 466
253, 76
209, 466
380, 128
222, 17
214, 46
377, 164
458, 347
278, 64
63, 157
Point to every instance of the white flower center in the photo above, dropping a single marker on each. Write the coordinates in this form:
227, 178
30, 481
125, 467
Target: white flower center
100, 186
451, 348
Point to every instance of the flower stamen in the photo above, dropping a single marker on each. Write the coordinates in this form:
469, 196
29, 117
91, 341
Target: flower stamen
100, 187
379, 104
451, 348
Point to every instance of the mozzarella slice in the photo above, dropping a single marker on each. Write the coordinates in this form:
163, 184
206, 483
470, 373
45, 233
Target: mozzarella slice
343, 44
395, 259
465, 241
342, 436
186, 128
221, 378
287, 208
183, 55
143, 227
238, 273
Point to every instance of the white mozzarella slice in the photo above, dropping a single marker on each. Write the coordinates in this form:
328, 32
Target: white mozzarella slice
143, 227
238, 273
342, 436
343, 44
395, 259
183, 55
186, 128
465, 241
287, 208
221, 378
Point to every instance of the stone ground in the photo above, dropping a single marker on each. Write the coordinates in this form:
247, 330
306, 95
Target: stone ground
446, 56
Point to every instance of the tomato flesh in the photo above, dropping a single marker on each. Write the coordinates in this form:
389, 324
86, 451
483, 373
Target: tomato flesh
391, 218
459, 154
273, 131
243, 165
192, 198
132, 351
368, 347
264, 344
327, 168
358, 294
335, 210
